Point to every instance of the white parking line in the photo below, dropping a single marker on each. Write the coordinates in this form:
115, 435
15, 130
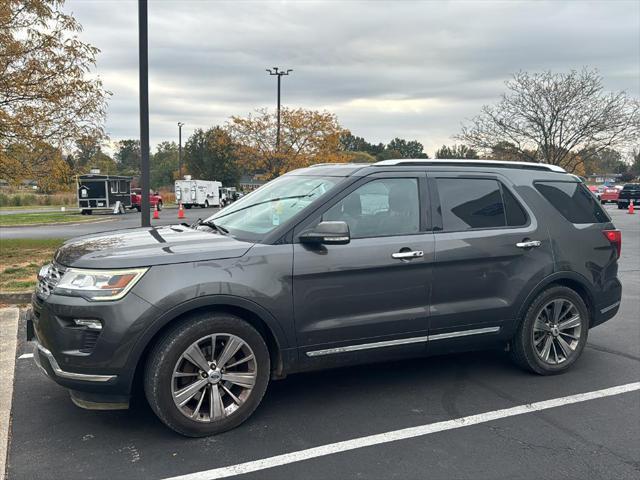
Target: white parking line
25, 355
403, 434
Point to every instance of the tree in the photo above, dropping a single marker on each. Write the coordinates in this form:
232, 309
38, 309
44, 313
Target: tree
212, 155
46, 96
164, 164
551, 117
351, 143
406, 149
456, 151
307, 137
128, 156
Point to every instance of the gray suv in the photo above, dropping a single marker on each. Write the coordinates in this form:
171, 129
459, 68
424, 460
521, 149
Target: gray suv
325, 266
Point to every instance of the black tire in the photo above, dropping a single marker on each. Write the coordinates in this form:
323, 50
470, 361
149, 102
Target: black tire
522, 349
88, 212
159, 206
165, 354
621, 206
187, 206
139, 208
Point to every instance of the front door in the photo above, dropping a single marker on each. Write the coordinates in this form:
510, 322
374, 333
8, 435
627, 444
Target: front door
489, 250
373, 292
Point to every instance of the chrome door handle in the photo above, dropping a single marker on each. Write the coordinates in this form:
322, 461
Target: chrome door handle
529, 244
408, 255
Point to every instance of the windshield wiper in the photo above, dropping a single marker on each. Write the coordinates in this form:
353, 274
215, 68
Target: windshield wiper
210, 224
265, 201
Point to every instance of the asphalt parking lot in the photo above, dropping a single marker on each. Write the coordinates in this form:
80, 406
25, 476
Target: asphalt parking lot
104, 222
595, 438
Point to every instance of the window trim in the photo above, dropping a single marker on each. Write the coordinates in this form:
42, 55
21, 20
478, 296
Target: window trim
436, 204
424, 212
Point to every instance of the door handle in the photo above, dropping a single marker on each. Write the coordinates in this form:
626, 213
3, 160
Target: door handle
408, 255
529, 244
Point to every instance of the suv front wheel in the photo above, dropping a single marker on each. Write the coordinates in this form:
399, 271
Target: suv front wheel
553, 332
207, 375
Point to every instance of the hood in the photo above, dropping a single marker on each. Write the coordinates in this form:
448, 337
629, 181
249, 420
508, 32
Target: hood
143, 247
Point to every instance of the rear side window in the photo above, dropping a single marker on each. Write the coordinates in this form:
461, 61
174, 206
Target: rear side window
468, 203
574, 201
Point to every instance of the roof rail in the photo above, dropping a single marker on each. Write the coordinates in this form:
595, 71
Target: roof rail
331, 164
470, 163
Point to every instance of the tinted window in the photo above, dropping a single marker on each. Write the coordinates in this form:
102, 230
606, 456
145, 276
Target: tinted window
123, 186
516, 215
113, 186
380, 208
470, 203
574, 201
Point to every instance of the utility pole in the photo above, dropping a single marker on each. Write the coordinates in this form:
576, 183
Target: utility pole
180, 125
143, 56
279, 73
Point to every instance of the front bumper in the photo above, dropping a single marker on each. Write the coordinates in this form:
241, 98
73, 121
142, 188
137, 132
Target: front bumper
43, 357
98, 367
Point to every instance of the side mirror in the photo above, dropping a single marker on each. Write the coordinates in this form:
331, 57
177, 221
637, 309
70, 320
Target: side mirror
328, 233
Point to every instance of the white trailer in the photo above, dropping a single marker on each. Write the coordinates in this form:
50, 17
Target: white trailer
198, 193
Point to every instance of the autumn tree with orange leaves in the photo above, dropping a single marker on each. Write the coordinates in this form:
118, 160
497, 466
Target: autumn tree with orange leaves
47, 98
306, 137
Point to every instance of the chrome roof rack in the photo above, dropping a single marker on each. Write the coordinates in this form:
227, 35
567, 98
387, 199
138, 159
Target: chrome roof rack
470, 163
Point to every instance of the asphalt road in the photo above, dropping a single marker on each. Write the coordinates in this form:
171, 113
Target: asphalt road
103, 223
599, 438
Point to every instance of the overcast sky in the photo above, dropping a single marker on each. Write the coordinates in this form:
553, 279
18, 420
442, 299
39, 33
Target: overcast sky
411, 69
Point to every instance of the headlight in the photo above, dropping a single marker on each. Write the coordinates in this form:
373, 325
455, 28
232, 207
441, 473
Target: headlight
98, 284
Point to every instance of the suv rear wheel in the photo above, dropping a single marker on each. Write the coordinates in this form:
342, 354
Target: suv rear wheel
553, 332
207, 375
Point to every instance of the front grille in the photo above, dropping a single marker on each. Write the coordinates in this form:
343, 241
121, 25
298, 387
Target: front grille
48, 281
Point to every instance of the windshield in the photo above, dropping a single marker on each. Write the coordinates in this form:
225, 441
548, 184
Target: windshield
271, 205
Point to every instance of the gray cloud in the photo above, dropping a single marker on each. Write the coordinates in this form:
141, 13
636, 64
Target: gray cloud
387, 68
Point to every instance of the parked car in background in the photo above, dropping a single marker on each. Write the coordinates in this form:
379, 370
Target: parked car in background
325, 266
154, 199
631, 191
609, 195
595, 189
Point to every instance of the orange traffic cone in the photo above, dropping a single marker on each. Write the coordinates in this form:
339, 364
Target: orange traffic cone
180, 211
156, 215
631, 212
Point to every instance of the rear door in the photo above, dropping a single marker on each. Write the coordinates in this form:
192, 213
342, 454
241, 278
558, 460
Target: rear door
489, 247
367, 295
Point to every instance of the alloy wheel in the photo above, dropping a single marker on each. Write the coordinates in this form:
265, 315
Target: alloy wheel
213, 377
556, 331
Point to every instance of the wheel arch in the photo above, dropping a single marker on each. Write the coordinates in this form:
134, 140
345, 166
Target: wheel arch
571, 280
255, 315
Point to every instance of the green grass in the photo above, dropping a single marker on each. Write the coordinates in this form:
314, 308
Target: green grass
20, 260
16, 219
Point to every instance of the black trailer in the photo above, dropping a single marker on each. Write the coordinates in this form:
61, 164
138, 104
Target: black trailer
103, 192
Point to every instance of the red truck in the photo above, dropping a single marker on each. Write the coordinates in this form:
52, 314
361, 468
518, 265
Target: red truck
136, 199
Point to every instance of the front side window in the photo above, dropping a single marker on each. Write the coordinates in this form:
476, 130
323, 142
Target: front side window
380, 208
271, 205
574, 201
471, 203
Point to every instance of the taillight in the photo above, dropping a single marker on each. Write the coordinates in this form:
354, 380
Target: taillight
615, 237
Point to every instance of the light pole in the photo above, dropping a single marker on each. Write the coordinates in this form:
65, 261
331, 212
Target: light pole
143, 50
180, 124
279, 73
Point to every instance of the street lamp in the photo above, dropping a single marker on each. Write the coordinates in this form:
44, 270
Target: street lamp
180, 124
279, 73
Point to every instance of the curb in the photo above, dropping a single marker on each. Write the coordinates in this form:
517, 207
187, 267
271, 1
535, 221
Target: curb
15, 298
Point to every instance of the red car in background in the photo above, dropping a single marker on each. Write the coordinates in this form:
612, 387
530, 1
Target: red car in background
609, 194
136, 199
